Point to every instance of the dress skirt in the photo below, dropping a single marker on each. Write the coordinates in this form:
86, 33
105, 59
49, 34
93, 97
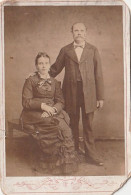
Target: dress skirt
54, 137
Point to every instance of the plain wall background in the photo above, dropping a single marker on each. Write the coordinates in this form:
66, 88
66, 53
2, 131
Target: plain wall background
29, 30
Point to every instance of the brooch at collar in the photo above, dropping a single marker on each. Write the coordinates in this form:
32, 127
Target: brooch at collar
44, 82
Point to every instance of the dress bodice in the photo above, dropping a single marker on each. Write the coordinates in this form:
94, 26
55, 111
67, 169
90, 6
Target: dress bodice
37, 90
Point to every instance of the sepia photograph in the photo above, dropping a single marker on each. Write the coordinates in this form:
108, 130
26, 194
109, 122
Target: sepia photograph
65, 94
85, 42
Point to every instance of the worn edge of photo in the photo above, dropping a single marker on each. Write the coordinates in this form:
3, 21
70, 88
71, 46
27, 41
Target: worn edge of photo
126, 44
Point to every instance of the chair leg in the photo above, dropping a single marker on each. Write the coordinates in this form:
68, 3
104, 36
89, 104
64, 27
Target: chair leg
10, 130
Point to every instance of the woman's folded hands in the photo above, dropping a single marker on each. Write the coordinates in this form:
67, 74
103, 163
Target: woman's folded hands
45, 115
48, 110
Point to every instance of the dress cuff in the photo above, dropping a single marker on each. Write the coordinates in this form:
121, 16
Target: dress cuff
42, 105
56, 111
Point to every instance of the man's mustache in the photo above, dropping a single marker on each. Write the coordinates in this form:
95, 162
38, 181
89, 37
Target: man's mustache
79, 37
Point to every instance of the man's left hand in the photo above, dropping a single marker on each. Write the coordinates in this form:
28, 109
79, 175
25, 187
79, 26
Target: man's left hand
100, 104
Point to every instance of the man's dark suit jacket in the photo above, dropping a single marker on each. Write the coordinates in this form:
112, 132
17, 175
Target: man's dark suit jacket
91, 73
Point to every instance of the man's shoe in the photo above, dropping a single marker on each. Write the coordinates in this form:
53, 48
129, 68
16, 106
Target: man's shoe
97, 162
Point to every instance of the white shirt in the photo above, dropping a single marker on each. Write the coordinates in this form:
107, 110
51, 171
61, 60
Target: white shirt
79, 50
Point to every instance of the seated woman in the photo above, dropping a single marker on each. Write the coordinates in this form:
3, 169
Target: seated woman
44, 118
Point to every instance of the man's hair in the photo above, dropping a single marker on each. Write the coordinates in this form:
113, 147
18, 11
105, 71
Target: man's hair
41, 54
77, 23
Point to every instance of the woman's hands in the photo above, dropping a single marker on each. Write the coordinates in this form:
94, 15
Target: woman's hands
45, 115
49, 111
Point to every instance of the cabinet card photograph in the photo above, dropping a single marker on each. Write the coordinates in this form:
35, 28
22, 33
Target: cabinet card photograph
65, 101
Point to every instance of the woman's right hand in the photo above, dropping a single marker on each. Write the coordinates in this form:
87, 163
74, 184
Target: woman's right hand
45, 115
50, 110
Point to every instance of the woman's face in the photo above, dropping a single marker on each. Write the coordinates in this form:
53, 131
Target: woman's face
43, 65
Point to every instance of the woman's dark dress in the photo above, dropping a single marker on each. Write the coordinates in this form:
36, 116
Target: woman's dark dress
53, 134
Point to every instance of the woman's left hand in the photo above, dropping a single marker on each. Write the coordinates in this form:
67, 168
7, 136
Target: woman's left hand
49, 109
45, 115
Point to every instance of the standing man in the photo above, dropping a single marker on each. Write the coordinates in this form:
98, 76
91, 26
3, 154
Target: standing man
82, 86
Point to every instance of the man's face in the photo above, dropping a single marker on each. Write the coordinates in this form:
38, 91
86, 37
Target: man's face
79, 32
43, 65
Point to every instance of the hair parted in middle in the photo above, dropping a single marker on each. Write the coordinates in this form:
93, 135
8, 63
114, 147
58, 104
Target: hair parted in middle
41, 54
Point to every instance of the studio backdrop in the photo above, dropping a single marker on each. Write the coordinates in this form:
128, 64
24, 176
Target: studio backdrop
28, 30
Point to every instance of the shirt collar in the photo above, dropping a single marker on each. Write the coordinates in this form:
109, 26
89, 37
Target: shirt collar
46, 76
83, 44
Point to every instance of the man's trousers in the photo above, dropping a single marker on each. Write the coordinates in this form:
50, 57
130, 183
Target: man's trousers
87, 119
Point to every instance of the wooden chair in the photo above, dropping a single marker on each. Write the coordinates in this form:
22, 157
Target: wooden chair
13, 124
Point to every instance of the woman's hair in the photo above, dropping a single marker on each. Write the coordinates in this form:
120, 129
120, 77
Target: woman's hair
41, 54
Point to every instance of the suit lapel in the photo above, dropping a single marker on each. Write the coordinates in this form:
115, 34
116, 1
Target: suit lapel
72, 54
84, 54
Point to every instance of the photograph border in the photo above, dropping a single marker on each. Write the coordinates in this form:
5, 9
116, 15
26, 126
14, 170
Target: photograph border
67, 184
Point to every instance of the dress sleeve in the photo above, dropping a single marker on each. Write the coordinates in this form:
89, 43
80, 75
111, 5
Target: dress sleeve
28, 101
57, 67
58, 99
